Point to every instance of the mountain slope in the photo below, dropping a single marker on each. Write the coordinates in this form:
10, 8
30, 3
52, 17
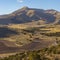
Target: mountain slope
26, 14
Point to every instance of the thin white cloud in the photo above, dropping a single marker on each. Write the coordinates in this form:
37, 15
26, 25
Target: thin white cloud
20, 1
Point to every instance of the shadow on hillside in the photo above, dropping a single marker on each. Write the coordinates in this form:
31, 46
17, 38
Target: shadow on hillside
6, 32
23, 18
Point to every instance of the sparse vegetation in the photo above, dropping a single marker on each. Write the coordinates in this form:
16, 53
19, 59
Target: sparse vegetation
51, 53
30, 34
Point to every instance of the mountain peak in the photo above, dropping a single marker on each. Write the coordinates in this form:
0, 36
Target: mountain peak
25, 7
26, 14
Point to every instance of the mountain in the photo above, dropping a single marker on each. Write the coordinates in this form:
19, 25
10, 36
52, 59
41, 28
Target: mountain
26, 14
30, 29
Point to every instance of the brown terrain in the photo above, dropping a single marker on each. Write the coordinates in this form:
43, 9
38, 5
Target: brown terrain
26, 14
25, 30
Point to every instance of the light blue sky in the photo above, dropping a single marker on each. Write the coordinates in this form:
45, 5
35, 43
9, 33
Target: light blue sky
8, 6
